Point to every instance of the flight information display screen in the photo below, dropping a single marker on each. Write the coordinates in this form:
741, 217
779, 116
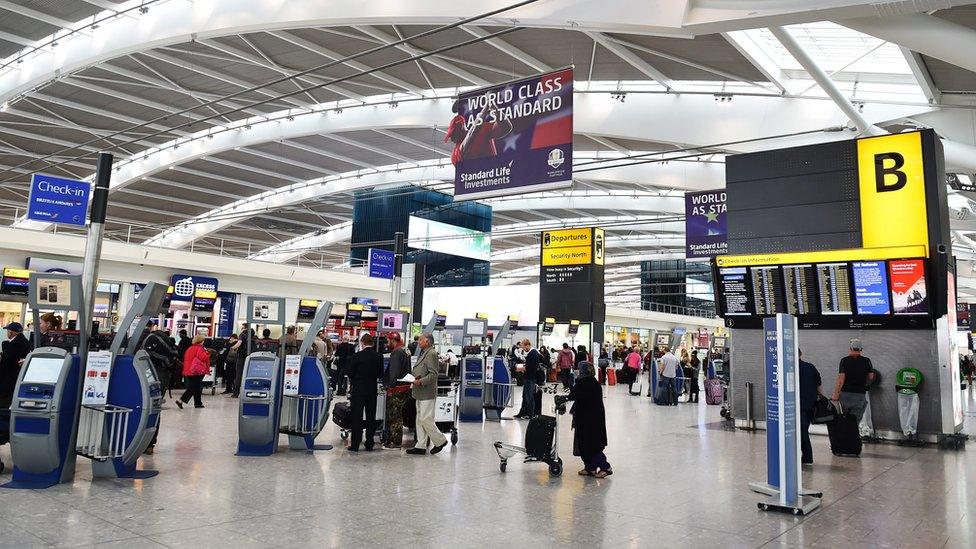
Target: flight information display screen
835, 289
871, 288
734, 288
840, 294
767, 290
800, 286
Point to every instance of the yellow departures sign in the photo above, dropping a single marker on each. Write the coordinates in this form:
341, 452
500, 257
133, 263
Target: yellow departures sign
583, 246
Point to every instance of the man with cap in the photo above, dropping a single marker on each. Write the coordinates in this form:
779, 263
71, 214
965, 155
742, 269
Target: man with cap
13, 351
855, 375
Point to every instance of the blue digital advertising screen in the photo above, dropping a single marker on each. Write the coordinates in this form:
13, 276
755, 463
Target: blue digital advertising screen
871, 295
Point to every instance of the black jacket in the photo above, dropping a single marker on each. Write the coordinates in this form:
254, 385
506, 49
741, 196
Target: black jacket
399, 366
343, 352
365, 370
589, 417
12, 352
532, 364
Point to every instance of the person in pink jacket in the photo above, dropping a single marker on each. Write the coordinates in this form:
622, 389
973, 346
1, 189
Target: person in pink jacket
196, 364
565, 362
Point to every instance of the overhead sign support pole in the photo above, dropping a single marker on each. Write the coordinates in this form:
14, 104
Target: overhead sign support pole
93, 249
397, 271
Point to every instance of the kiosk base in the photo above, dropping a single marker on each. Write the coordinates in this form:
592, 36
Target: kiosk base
803, 506
27, 485
772, 491
140, 474
306, 443
494, 414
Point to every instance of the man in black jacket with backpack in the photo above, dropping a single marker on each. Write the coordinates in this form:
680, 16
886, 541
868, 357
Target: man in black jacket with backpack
811, 386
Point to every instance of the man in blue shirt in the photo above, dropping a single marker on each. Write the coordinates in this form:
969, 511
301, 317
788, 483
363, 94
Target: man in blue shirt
810, 387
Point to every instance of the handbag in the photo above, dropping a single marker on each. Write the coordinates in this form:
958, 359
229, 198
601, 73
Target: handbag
824, 411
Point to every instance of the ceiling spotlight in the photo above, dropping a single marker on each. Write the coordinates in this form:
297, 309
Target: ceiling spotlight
143, 10
394, 104
619, 96
338, 111
247, 126
4, 106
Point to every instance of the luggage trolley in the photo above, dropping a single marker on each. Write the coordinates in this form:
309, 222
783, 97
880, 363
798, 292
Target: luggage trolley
446, 408
508, 451
345, 427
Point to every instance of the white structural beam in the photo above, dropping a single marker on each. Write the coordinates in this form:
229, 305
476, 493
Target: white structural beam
921, 74
824, 81
504, 47
632, 59
15, 39
755, 54
334, 56
294, 247
926, 34
36, 15
662, 243
468, 76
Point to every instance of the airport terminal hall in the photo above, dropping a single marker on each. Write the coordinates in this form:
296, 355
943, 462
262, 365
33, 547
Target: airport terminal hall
508, 273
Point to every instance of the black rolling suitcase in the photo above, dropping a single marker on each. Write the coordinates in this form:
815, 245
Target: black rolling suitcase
4, 431
341, 415
845, 437
539, 436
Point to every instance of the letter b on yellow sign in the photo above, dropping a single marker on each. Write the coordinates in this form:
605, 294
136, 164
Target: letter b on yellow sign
891, 178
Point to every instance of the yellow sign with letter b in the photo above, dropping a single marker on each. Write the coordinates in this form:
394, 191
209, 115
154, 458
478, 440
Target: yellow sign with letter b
891, 179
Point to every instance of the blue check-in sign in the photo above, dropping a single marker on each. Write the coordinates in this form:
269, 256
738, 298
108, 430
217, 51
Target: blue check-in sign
380, 263
58, 200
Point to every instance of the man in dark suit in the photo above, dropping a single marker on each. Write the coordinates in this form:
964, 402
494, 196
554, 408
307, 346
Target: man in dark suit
530, 381
12, 355
365, 370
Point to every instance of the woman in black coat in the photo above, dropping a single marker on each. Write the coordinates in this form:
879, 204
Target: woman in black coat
589, 423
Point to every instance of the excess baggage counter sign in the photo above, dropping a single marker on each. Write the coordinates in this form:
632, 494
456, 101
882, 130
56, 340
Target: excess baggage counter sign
513, 138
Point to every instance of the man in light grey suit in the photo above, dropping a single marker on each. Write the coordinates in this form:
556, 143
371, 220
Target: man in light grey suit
425, 393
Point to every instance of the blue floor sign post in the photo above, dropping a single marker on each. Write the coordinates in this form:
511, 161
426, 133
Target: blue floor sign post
784, 477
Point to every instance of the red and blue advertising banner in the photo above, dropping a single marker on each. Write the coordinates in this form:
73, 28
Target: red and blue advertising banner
513, 138
706, 228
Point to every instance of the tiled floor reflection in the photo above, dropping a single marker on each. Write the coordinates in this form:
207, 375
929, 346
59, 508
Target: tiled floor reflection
680, 481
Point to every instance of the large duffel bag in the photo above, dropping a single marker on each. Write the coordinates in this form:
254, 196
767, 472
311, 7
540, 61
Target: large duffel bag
341, 415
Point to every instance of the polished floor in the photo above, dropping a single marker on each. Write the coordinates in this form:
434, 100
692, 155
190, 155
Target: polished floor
680, 481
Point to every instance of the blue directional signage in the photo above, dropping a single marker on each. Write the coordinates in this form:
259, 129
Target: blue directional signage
58, 200
380, 263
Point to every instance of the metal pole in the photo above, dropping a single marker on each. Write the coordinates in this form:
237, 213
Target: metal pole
397, 271
93, 248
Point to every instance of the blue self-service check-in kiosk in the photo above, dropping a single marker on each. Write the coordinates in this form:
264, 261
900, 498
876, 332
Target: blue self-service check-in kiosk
260, 408
471, 407
261, 387
45, 406
305, 405
134, 390
44, 419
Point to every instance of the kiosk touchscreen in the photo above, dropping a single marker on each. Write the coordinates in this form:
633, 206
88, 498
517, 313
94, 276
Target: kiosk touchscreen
260, 405
43, 419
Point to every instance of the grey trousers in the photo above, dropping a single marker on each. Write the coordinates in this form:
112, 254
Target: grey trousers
854, 404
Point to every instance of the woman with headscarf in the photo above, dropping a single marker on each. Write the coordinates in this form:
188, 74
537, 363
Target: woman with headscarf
589, 423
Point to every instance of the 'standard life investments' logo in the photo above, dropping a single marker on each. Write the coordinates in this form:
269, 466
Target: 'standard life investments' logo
556, 158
